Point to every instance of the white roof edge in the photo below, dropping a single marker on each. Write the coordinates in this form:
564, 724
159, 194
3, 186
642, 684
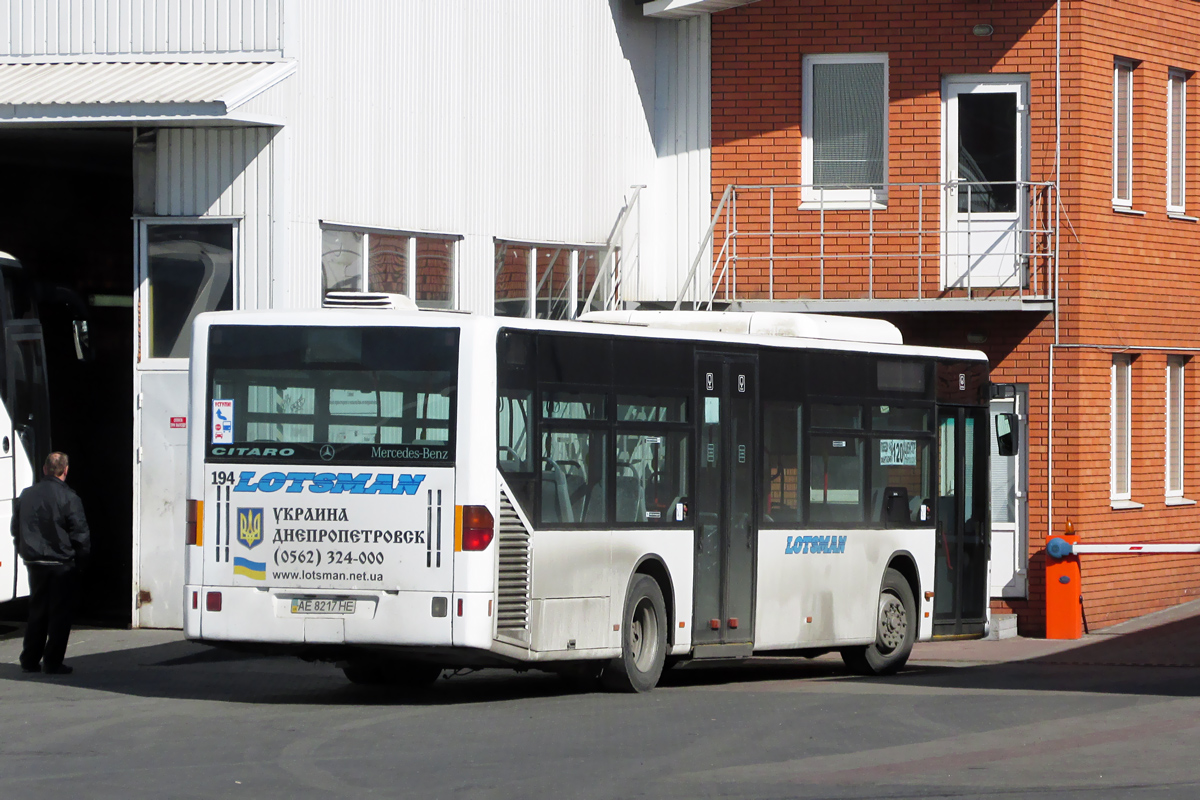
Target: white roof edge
760, 323
102, 90
682, 9
257, 84
435, 318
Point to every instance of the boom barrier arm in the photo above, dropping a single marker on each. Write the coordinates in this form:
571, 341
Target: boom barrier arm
1058, 547
1064, 595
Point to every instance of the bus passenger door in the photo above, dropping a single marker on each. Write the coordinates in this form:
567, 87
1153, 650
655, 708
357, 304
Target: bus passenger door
726, 528
961, 562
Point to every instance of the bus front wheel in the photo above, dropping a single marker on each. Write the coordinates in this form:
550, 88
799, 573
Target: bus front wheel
895, 630
643, 639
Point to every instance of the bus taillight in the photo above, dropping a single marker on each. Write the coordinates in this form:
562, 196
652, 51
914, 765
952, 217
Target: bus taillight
478, 528
195, 522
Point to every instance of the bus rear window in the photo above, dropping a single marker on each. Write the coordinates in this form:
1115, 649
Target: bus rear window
331, 395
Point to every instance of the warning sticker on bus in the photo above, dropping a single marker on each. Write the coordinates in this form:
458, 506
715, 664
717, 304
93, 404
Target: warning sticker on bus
222, 421
897, 452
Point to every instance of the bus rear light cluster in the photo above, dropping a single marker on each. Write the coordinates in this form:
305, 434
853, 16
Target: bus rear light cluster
478, 528
212, 601
195, 522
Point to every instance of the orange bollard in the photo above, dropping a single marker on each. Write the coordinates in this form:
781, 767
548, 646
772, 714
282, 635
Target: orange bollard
1064, 595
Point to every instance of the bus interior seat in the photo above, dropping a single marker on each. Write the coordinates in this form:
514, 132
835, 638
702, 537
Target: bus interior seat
630, 504
653, 497
556, 501
896, 513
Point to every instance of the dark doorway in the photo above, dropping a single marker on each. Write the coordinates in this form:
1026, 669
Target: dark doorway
65, 213
961, 561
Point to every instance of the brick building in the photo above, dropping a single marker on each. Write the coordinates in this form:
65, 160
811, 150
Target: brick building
1014, 176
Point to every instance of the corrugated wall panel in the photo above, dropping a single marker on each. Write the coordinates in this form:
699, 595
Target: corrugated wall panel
116, 27
225, 172
525, 120
682, 204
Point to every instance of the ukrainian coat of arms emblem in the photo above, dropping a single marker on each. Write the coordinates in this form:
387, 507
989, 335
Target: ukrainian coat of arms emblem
250, 526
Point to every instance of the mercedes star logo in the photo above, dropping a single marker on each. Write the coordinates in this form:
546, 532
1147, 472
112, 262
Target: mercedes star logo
327, 452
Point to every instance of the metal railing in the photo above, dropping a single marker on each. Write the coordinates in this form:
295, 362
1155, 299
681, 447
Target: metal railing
899, 241
607, 272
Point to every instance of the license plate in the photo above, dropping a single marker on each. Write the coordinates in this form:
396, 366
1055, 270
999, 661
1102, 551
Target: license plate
321, 605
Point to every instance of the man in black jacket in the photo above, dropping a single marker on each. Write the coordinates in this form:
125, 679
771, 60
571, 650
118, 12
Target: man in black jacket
52, 537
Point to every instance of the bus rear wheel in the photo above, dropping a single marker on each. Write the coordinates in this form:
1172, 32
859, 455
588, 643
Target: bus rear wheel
643, 639
895, 630
401, 674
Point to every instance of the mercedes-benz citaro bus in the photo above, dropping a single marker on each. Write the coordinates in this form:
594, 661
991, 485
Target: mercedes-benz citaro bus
403, 491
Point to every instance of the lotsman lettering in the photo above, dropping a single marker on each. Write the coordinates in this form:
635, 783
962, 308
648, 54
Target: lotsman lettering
244, 484
296, 481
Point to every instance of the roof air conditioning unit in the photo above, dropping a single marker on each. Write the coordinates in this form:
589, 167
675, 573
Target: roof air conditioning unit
391, 302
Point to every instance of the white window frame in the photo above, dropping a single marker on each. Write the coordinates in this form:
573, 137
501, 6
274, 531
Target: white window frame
1177, 150
1122, 386
1123, 69
1175, 431
142, 293
810, 195
410, 255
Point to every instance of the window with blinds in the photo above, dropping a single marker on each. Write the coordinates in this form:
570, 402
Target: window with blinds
1121, 412
1175, 365
844, 161
1176, 141
1123, 133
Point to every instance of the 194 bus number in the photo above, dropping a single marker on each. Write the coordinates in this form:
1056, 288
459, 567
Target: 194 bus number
223, 479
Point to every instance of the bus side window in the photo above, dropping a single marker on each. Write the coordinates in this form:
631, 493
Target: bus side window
835, 480
782, 452
651, 477
901, 480
514, 416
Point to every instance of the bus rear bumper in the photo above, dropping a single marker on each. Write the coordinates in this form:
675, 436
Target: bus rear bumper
273, 616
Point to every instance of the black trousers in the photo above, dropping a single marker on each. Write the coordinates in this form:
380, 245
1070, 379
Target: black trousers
51, 604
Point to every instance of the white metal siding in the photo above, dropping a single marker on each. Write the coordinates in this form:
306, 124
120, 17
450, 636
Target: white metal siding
525, 120
682, 208
224, 172
129, 27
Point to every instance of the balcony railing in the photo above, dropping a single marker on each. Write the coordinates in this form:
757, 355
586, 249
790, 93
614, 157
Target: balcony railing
959, 240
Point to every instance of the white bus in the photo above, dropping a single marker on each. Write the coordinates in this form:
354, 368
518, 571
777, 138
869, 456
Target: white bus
24, 407
402, 492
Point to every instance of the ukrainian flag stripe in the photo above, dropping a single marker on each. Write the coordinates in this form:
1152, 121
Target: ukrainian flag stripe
251, 569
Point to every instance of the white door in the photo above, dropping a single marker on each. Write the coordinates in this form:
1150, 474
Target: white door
1010, 537
986, 196
185, 267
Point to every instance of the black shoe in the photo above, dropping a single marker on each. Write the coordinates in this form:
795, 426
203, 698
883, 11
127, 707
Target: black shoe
28, 668
61, 669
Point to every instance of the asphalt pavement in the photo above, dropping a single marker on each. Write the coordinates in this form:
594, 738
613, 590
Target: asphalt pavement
148, 714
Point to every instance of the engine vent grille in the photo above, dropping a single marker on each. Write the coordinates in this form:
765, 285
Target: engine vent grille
512, 608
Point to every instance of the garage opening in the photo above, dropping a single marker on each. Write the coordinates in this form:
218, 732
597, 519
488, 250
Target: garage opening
65, 209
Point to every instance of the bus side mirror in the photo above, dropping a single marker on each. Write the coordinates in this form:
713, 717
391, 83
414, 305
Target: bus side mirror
1007, 443
83, 344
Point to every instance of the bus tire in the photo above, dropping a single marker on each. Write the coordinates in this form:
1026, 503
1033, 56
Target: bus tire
401, 674
643, 639
895, 630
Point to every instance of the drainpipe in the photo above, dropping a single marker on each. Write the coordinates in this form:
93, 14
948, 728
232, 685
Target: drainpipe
1057, 297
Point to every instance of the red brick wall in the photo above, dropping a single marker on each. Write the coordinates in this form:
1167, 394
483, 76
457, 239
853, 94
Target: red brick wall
1125, 281
757, 53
